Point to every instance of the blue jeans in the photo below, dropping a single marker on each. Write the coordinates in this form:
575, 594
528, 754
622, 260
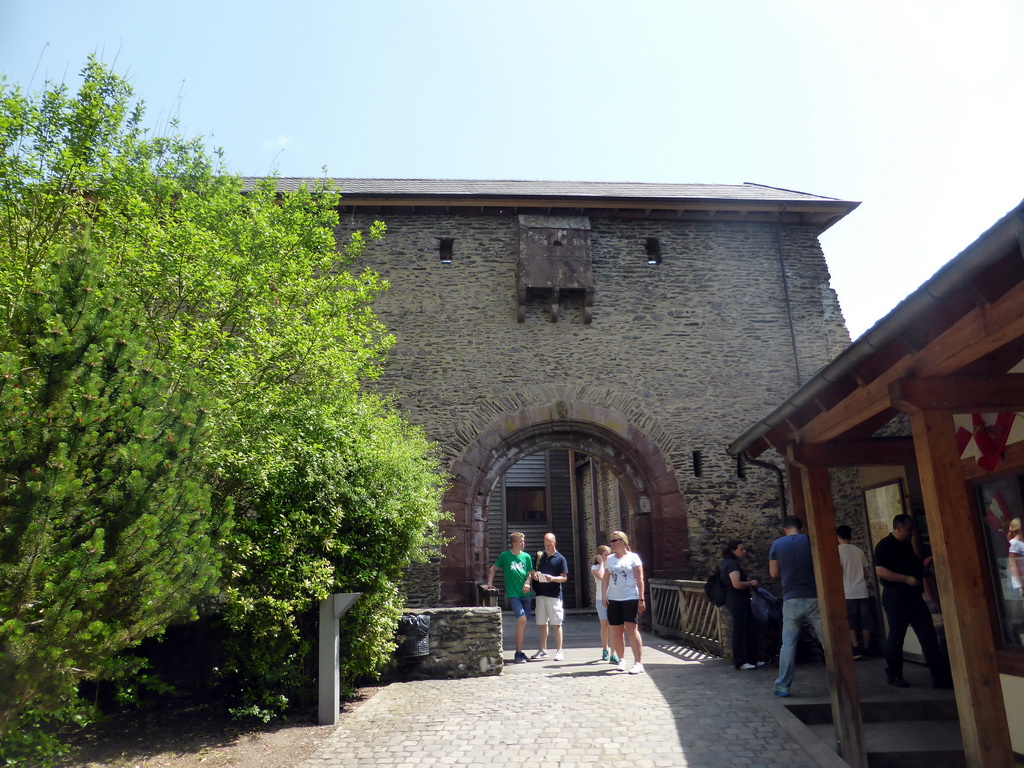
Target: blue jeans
796, 612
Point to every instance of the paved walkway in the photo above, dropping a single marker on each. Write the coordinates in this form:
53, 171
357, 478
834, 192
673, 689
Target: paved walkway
686, 710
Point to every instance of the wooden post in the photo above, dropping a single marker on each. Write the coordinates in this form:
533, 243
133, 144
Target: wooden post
581, 559
828, 576
796, 490
952, 530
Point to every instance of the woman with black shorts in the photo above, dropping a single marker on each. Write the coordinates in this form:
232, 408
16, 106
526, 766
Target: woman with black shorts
624, 597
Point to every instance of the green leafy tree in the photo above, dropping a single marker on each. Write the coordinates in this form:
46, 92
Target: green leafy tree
244, 295
105, 535
244, 290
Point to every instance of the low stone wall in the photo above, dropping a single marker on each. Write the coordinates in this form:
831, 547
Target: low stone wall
464, 642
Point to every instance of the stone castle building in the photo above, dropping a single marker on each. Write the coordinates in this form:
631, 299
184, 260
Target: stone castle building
583, 353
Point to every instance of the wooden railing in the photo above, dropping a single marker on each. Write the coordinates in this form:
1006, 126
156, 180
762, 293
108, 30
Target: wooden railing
680, 609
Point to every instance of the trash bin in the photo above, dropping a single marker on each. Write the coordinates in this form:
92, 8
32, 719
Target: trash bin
413, 635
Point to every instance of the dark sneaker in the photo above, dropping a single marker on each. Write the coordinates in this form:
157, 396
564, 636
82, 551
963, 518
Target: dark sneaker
783, 694
519, 658
858, 654
614, 659
897, 681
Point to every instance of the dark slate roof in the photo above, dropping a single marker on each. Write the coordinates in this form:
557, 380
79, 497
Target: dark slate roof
632, 200
601, 189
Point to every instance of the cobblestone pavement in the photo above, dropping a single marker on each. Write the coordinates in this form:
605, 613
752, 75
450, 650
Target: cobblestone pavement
686, 710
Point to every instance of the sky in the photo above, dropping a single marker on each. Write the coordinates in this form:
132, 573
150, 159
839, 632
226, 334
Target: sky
914, 108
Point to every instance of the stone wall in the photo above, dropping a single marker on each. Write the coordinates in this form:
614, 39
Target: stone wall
422, 583
691, 351
464, 642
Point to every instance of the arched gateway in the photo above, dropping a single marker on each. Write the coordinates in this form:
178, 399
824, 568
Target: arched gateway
627, 331
648, 482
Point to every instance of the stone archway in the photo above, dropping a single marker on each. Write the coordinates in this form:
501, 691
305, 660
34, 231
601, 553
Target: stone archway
657, 508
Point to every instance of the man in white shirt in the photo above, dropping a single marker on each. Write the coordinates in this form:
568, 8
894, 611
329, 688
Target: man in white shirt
859, 609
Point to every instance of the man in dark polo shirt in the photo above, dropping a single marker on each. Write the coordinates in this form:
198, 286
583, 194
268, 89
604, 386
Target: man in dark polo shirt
552, 571
901, 571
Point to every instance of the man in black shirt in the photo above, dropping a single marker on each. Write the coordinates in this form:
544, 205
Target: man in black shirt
552, 572
900, 571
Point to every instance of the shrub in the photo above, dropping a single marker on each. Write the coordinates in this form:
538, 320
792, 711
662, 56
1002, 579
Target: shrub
345, 507
105, 536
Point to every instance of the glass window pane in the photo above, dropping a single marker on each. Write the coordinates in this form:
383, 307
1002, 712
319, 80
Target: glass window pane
1001, 507
524, 504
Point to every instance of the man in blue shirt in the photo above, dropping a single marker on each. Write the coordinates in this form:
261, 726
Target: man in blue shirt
790, 558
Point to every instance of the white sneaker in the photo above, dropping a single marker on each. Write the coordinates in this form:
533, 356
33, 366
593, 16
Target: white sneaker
541, 654
622, 666
637, 669
559, 656
748, 665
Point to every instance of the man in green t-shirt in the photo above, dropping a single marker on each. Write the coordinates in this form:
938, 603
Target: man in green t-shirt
516, 567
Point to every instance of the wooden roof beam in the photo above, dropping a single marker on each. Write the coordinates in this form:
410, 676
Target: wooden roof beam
977, 334
885, 451
959, 394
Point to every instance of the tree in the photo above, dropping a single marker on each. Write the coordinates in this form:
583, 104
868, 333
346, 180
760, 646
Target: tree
243, 295
105, 536
243, 290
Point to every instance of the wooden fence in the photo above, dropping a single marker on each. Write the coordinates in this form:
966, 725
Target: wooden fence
680, 609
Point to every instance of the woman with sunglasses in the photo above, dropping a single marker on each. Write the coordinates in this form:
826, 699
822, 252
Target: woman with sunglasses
623, 596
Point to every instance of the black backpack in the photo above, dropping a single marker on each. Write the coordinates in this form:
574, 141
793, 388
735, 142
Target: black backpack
714, 589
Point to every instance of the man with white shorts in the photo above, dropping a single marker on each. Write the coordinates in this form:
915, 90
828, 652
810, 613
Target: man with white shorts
552, 571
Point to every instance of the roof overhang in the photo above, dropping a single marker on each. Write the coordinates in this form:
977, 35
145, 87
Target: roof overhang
689, 202
967, 319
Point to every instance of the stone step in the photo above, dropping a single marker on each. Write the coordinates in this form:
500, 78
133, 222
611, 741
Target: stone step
815, 713
907, 743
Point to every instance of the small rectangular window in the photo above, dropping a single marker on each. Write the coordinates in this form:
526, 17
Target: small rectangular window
525, 504
653, 250
446, 248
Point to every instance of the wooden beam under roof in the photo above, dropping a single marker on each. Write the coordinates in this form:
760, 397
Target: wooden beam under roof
959, 394
882, 451
980, 332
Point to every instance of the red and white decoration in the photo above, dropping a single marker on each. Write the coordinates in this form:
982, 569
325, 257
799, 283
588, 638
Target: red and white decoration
983, 436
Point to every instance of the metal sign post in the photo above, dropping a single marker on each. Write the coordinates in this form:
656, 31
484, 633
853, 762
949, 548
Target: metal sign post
331, 611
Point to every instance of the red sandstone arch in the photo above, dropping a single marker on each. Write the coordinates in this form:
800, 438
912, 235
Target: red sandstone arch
657, 509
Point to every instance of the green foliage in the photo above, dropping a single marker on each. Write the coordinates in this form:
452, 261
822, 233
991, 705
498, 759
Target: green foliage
235, 292
105, 534
241, 292
349, 501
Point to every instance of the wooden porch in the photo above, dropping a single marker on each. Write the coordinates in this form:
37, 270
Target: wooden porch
950, 348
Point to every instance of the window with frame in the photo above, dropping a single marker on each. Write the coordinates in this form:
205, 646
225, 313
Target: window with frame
1001, 507
526, 504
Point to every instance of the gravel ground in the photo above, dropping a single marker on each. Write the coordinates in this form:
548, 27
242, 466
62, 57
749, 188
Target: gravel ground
196, 738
